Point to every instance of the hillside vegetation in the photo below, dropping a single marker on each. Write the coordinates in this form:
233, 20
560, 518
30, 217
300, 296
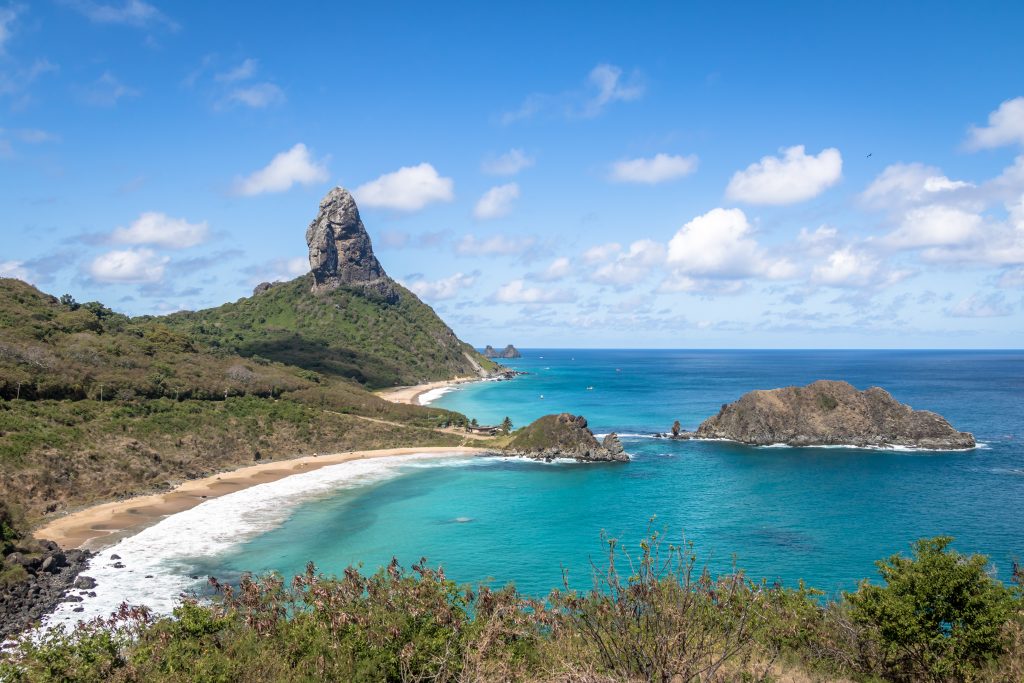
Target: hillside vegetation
98, 405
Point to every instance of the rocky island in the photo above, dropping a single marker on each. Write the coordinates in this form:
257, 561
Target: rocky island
829, 413
564, 436
508, 352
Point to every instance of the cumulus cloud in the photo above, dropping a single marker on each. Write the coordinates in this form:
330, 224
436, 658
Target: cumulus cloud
152, 227
410, 188
901, 185
257, 96
601, 253
518, 292
824, 238
444, 288
105, 91
15, 269
1005, 127
935, 226
656, 169
128, 266
556, 270
632, 266
130, 13
496, 245
718, 245
496, 202
847, 267
795, 177
979, 306
295, 166
278, 270
509, 163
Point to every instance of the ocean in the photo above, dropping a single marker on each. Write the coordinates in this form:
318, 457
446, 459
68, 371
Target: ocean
823, 515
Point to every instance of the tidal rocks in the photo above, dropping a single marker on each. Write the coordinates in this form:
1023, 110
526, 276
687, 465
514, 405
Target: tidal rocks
564, 436
508, 352
49, 573
340, 252
830, 413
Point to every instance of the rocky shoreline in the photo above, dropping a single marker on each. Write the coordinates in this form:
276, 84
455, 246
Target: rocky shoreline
52, 577
564, 436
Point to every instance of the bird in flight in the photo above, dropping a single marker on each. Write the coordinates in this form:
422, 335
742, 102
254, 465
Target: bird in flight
869, 155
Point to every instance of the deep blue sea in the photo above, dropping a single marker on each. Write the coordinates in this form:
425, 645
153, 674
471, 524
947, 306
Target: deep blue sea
822, 515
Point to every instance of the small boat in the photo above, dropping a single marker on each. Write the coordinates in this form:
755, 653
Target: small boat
590, 388
542, 396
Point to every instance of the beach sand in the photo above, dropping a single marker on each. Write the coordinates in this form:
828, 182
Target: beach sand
102, 525
411, 395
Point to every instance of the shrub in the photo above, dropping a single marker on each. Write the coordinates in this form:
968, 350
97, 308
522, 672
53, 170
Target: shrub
938, 617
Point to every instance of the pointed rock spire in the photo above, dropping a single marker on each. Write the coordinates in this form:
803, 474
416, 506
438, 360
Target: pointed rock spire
340, 252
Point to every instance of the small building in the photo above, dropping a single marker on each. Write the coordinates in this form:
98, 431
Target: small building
486, 430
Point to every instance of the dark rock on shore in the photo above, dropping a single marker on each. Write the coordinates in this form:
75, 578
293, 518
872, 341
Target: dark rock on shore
508, 352
830, 413
48, 574
564, 436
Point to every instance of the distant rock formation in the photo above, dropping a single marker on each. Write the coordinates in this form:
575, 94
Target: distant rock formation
830, 413
508, 352
340, 252
564, 436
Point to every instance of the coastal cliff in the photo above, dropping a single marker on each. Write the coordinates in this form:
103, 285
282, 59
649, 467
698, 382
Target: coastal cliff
830, 413
564, 436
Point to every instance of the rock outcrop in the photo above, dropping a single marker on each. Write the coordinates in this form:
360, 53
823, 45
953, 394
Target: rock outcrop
564, 436
340, 253
830, 413
508, 352
47, 576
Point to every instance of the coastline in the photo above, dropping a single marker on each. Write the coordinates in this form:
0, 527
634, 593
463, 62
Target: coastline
102, 525
411, 395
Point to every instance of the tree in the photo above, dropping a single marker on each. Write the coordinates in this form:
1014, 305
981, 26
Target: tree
506, 425
68, 301
675, 428
940, 616
473, 422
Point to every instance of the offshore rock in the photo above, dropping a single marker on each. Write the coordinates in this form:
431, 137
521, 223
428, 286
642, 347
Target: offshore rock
830, 413
508, 352
564, 436
340, 253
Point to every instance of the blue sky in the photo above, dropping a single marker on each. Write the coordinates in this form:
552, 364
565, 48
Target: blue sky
823, 175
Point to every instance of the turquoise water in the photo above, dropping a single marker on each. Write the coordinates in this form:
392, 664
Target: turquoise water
824, 515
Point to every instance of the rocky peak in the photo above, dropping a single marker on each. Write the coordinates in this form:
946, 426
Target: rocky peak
340, 252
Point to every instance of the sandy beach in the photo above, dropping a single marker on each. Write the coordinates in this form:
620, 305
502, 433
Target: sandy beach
102, 525
411, 395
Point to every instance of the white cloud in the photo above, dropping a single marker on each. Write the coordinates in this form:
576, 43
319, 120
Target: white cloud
846, 268
296, 166
824, 238
632, 266
497, 245
601, 253
518, 292
1005, 127
15, 269
159, 228
1011, 279
129, 265
607, 79
509, 163
242, 72
410, 188
718, 244
793, 178
657, 169
130, 12
7, 17
257, 96
901, 185
496, 202
279, 270
105, 91
935, 226
444, 288
556, 270
978, 306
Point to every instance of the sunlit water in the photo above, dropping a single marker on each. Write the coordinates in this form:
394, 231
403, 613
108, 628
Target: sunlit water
824, 515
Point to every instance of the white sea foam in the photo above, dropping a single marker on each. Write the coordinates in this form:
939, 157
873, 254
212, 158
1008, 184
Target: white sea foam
434, 394
158, 561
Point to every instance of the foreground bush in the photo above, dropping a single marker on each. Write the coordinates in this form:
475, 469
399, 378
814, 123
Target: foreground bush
654, 616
